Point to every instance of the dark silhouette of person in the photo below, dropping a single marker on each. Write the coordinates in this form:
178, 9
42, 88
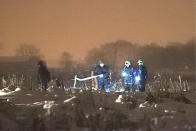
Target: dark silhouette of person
43, 74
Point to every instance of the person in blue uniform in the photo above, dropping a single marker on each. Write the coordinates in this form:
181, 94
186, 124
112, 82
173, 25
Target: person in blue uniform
140, 76
127, 76
102, 80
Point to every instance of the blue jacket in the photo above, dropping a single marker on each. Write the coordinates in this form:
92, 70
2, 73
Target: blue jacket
128, 74
102, 70
142, 72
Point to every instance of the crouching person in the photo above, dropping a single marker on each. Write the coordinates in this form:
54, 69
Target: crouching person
127, 76
103, 79
43, 74
140, 76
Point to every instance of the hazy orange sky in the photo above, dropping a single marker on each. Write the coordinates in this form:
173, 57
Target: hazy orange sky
77, 26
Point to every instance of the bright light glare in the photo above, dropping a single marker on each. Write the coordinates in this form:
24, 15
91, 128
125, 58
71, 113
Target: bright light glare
124, 74
137, 78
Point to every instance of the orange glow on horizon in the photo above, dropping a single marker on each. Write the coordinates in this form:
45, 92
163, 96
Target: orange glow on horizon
77, 26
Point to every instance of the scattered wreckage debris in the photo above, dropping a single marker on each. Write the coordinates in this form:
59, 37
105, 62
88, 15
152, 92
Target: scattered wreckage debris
7, 91
89, 109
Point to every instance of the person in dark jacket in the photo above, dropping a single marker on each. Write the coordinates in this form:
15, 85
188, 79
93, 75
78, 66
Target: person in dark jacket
141, 76
103, 79
43, 74
127, 76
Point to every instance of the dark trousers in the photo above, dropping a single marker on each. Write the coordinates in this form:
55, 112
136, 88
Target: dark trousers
128, 84
44, 84
141, 85
102, 82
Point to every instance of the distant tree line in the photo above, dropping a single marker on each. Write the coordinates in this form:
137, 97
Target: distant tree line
27, 51
174, 56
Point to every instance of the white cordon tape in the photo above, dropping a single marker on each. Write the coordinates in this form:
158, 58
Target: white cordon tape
84, 79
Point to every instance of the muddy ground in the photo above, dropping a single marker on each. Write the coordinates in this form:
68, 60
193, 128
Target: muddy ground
29, 110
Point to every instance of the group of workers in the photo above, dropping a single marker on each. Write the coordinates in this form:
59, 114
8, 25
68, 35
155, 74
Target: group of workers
132, 79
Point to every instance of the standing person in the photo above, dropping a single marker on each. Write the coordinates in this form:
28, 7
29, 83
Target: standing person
43, 74
103, 79
141, 76
127, 76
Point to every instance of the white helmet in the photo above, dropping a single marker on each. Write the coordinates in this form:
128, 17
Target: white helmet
140, 62
128, 63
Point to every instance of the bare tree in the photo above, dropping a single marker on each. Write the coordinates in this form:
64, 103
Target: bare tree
27, 51
67, 62
114, 54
